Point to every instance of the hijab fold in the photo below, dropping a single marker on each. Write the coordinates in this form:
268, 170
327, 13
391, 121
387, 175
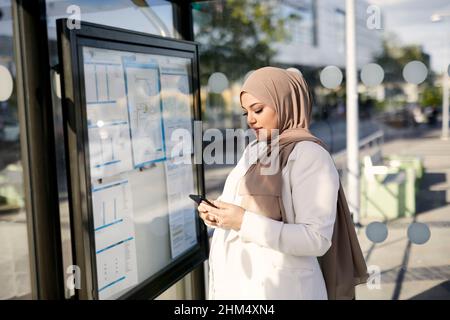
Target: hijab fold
343, 265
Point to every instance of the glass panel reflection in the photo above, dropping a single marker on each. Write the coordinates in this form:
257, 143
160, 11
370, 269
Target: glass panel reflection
14, 255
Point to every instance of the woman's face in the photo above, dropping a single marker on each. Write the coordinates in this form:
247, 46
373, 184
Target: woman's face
260, 117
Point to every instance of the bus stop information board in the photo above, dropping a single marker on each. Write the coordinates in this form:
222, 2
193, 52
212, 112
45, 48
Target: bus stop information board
141, 218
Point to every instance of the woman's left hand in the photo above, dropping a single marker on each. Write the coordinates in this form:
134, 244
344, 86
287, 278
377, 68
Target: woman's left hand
228, 215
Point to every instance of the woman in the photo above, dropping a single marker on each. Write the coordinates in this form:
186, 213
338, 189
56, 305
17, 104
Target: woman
272, 225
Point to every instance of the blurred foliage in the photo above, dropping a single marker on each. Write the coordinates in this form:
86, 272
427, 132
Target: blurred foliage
394, 57
431, 96
236, 36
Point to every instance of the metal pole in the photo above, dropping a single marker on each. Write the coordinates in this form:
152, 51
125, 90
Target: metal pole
445, 93
445, 105
352, 113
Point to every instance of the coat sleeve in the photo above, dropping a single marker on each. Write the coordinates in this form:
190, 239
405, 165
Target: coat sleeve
314, 187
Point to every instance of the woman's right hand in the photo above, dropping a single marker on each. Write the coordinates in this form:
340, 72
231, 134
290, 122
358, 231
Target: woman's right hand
207, 217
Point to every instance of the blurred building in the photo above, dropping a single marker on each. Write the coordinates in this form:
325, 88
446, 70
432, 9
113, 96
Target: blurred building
318, 38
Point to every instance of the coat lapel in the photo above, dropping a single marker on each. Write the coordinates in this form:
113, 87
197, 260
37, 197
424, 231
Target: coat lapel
230, 235
255, 151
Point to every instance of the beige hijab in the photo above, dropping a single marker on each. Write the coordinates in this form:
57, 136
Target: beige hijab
343, 266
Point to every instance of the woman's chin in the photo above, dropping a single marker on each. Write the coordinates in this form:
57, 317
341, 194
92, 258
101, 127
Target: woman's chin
261, 138
262, 134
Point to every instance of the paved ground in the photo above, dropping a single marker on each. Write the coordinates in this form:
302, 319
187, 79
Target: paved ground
411, 271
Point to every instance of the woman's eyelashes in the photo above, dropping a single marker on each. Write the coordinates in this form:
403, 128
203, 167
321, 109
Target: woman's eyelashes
257, 111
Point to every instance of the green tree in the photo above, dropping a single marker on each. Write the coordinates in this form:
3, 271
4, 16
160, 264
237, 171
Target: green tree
431, 96
394, 57
237, 36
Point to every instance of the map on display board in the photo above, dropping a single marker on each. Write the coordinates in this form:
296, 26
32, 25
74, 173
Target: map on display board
137, 106
145, 110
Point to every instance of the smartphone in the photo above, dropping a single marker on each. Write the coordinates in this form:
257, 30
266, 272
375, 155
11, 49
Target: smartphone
198, 198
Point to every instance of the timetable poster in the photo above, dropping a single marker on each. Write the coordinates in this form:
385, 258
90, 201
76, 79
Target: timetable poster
114, 238
177, 106
180, 183
107, 114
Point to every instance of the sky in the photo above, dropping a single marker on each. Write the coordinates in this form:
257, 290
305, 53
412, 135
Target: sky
411, 21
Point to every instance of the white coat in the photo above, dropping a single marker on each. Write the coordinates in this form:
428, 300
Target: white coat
269, 259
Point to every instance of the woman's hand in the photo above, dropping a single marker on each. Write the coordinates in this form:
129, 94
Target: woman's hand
208, 218
227, 216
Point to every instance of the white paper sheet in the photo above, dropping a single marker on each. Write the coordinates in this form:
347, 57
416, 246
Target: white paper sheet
177, 113
107, 114
182, 223
114, 237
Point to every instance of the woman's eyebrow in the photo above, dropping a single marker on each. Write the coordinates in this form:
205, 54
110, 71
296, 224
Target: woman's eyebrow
252, 105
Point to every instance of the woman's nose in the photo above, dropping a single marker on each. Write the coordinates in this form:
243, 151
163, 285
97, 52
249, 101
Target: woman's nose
250, 120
